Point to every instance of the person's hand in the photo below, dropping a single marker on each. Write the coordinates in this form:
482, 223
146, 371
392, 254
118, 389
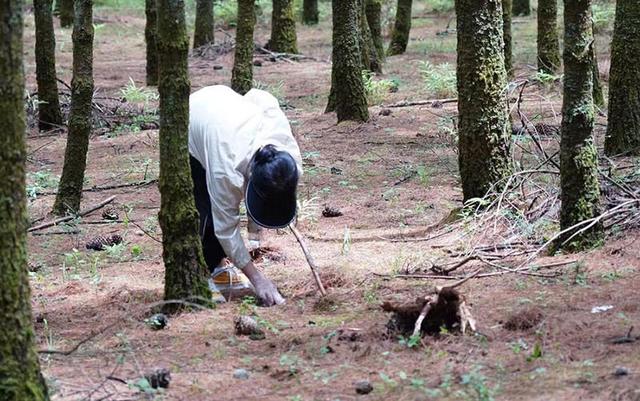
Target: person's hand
266, 291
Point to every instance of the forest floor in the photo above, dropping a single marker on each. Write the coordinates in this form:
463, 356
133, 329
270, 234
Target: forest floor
394, 178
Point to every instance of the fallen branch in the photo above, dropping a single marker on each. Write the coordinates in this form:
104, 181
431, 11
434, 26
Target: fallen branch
310, 260
68, 218
406, 103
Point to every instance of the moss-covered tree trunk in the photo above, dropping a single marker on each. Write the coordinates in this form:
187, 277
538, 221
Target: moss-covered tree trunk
20, 377
374, 18
401, 28
75, 156
580, 191
369, 54
350, 98
598, 93
242, 74
521, 7
66, 13
283, 28
310, 14
49, 115
623, 129
185, 271
548, 40
203, 33
507, 6
484, 129
151, 39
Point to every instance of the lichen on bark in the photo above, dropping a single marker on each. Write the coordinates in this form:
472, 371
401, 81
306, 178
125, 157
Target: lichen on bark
20, 377
49, 115
242, 73
484, 129
507, 9
283, 28
310, 14
185, 271
151, 40
580, 191
548, 38
75, 157
623, 129
203, 32
401, 28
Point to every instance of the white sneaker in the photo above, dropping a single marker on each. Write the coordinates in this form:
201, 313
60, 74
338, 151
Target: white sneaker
229, 281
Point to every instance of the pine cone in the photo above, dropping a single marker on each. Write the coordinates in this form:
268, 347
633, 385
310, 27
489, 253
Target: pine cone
331, 212
110, 214
99, 243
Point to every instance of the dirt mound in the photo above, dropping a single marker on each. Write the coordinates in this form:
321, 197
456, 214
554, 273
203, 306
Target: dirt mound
524, 319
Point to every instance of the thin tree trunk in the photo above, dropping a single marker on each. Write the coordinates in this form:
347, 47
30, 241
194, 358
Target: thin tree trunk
66, 13
151, 39
75, 157
521, 7
580, 191
598, 94
185, 271
623, 129
401, 28
242, 74
350, 95
20, 377
507, 6
484, 129
369, 54
548, 38
49, 115
283, 28
203, 34
310, 12
374, 12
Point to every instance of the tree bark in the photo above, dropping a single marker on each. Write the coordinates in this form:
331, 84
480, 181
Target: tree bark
548, 40
20, 377
203, 34
580, 191
49, 115
66, 13
374, 18
283, 28
151, 39
185, 271
521, 7
507, 9
349, 93
623, 129
484, 129
242, 74
401, 28
75, 157
598, 94
310, 12
370, 60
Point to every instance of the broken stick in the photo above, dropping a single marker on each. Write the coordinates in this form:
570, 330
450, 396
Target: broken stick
82, 213
310, 260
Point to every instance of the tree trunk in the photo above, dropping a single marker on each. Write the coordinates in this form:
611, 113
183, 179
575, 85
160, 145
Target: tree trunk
521, 7
49, 115
374, 12
151, 39
623, 130
75, 157
66, 13
242, 74
370, 60
548, 40
484, 129
507, 9
350, 96
185, 271
598, 94
20, 377
310, 12
203, 34
401, 28
580, 191
283, 28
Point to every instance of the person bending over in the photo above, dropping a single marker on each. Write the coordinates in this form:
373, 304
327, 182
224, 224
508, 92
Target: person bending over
240, 147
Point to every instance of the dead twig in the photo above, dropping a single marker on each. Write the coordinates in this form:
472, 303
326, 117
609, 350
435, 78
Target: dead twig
68, 218
432, 102
309, 258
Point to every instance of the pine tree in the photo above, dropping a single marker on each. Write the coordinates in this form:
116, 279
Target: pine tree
20, 377
548, 40
580, 191
185, 271
507, 9
203, 34
49, 115
283, 28
623, 129
374, 18
484, 128
242, 74
598, 93
66, 13
310, 12
151, 39
370, 60
401, 28
75, 157
521, 7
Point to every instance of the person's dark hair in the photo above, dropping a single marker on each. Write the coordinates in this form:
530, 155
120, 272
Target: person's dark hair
273, 172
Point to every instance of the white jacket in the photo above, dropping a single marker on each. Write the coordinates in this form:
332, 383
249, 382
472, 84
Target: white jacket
225, 131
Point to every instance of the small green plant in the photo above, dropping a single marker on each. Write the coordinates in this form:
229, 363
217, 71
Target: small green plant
308, 209
440, 6
546, 79
439, 80
476, 383
135, 94
40, 181
410, 342
136, 251
536, 353
291, 363
115, 251
377, 89
603, 16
